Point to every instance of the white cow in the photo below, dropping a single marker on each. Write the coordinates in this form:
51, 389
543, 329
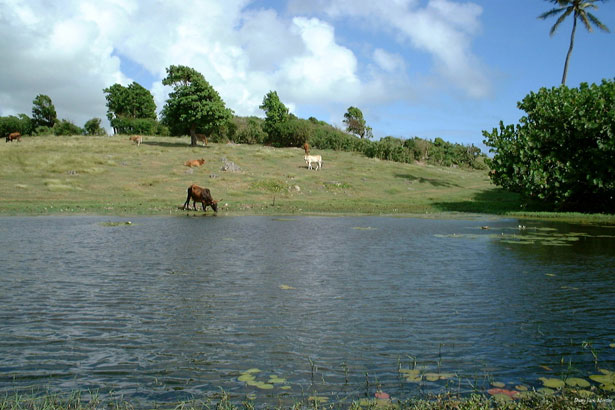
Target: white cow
313, 158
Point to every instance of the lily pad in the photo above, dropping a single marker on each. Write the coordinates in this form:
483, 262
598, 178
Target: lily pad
552, 383
521, 387
612, 345
276, 380
410, 372
432, 377
264, 386
286, 287
502, 397
546, 391
254, 370
285, 388
608, 387
577, 382
498, 384
602, 378
497, 391
414, 379
246, 377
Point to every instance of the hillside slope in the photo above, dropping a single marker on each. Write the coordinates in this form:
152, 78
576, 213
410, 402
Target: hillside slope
111, 175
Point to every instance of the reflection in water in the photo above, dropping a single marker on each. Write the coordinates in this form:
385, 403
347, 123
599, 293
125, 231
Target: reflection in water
166, 309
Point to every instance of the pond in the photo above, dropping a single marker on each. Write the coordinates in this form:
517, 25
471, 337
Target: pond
161, 310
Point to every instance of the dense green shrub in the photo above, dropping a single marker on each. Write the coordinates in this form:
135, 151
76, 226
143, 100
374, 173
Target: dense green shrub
93, 127
125, 125
249, 130
21, 124
563, 151
66, 127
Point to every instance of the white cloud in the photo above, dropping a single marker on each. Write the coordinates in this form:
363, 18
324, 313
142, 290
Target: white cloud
70, 51
443, 28
387, 61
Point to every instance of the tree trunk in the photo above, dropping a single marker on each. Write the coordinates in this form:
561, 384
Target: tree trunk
574, 28
193, 135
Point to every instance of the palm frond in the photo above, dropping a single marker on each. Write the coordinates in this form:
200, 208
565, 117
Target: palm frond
598, 23
583, 16
560, 20
551, 12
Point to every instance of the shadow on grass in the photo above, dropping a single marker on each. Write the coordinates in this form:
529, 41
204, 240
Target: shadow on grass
492, 201
430, 181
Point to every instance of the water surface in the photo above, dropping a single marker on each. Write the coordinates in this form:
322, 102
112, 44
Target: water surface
168, 309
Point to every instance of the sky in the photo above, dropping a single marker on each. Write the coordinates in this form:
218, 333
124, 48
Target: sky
425, 68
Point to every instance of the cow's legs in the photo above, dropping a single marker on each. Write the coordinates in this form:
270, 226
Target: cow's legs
187, 203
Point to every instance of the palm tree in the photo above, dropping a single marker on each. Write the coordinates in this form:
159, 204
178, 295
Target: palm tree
579, 9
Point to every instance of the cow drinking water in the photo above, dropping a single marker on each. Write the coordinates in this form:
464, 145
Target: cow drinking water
202, 195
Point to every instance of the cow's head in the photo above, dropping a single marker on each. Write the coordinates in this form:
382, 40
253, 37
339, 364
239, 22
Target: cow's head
214, 205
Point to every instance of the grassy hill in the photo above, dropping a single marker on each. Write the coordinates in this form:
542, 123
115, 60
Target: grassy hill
110, 175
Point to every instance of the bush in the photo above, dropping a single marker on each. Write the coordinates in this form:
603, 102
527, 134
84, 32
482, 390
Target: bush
563, 151
21, 124
145, 126
66, 127
92, 127
249, 130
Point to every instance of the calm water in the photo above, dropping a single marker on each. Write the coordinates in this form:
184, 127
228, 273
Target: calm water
168, 309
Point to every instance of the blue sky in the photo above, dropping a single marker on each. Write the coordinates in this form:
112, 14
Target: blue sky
427, 68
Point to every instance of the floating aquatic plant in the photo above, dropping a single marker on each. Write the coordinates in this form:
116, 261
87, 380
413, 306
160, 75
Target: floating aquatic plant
286, 287
498, 384
364, 228
511, 394
577, 382
552, 383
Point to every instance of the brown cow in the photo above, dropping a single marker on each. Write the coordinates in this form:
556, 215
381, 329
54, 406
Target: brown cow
202, 195
306, 147
194, 163
202, 138
137, 139
13, 136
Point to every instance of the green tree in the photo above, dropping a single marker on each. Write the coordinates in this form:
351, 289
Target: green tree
125, 105
562, 153
579, 10
194, 104
43, 111
93, 127
355, 123
275, 114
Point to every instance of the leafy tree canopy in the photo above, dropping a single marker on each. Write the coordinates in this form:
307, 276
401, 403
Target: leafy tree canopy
355, 123
562, 153
125, 104
193, 105
43, 111
93, 127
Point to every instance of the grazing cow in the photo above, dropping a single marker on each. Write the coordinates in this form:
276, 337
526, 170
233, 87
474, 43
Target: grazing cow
306, 147
313, 158
137, 139
194, 163
13, 136
202, 138
202, 195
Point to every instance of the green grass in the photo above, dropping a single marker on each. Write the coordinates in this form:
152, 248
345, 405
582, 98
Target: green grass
222, 401
112, 176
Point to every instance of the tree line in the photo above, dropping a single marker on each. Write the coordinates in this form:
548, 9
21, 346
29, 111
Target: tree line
195, 107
